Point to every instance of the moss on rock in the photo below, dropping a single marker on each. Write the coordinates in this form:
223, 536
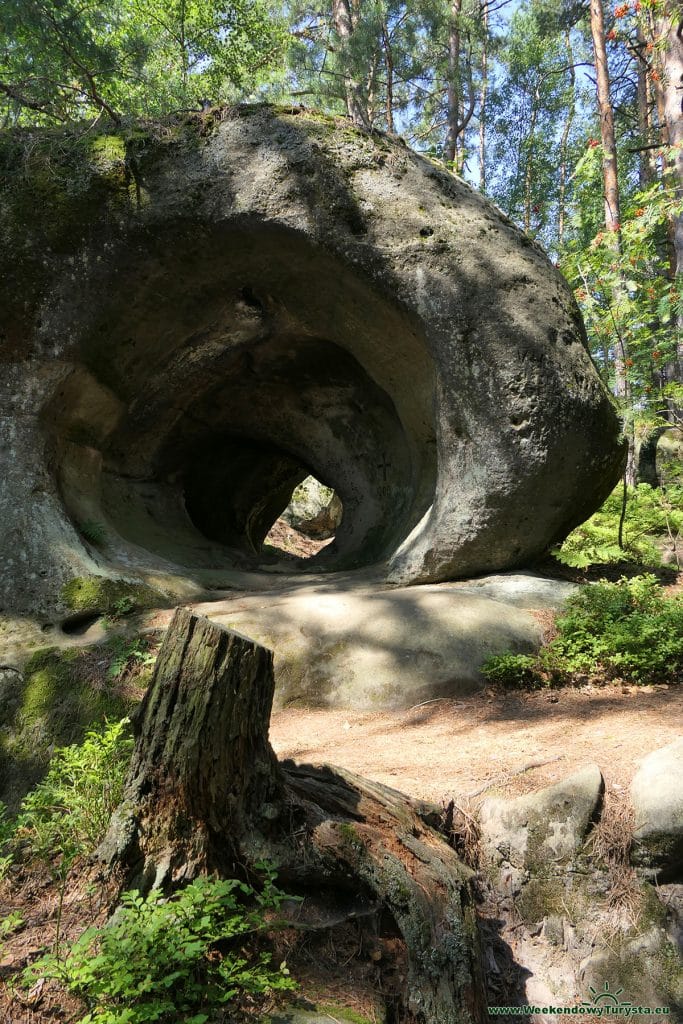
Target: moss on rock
53, 703
110, 597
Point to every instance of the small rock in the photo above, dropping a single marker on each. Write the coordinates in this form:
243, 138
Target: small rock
546, 826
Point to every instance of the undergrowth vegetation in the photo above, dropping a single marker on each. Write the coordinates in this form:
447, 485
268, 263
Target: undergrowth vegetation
629, 630
156, 959
653, 519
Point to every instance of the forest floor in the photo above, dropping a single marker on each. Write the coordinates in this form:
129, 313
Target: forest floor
461, 749
507, 743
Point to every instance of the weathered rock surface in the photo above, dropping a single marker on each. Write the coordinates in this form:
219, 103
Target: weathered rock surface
522, 590
657, 795
197, 315
366, 647
563, 925
541, 828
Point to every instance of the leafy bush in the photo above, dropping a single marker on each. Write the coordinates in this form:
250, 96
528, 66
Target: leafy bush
129, 655
514, 671
158, 959
650, 513
67, 813
629, 630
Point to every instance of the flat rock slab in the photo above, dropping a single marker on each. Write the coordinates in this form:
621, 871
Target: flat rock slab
522, 590
657, 795
377, 648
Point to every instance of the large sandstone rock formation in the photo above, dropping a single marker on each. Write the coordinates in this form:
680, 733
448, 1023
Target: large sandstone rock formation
196, 315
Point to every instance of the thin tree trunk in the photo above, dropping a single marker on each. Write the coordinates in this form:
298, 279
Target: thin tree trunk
453, 90
343, 19
483, 97
609, 166
612, 216
371, 89
206, 794
528, 170
564, 141
671, 30
647, 173
389, 67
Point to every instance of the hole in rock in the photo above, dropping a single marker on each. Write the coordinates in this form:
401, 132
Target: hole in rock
188, 423
309, 523
79, 624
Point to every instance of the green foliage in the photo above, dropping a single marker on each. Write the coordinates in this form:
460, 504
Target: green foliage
66, 814
129, 655
6, 833
513, 671
157, 959
10, 924
629, 303
65, 60
626, 630
650, 512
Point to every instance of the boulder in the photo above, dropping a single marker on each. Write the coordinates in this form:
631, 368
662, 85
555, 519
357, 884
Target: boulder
200, 313
657, 795
536, 832
314, 510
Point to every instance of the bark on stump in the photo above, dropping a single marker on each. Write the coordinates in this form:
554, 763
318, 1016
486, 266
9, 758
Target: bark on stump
205, 793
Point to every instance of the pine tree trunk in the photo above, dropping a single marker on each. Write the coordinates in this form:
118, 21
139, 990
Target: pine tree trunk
342, 17
671, 31
564, 141
609, 145
205, 794
612, 217
483, 96
453, 91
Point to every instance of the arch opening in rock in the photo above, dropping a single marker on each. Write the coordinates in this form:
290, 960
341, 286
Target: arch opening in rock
309, 523
226, 397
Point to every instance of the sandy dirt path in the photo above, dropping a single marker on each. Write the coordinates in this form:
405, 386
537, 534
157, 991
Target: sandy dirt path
450, 749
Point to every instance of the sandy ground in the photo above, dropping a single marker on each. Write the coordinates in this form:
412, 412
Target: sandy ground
489, 742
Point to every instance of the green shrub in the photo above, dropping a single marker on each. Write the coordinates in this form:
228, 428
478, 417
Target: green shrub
130, 655
170, 960
67, 813
514, 671
650, 513
629, 630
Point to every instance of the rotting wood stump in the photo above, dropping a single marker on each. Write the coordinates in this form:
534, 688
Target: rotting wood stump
205, 793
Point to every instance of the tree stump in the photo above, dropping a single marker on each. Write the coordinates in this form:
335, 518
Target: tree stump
206, 794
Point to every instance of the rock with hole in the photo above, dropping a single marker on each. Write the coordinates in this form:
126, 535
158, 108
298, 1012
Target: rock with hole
235, 303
